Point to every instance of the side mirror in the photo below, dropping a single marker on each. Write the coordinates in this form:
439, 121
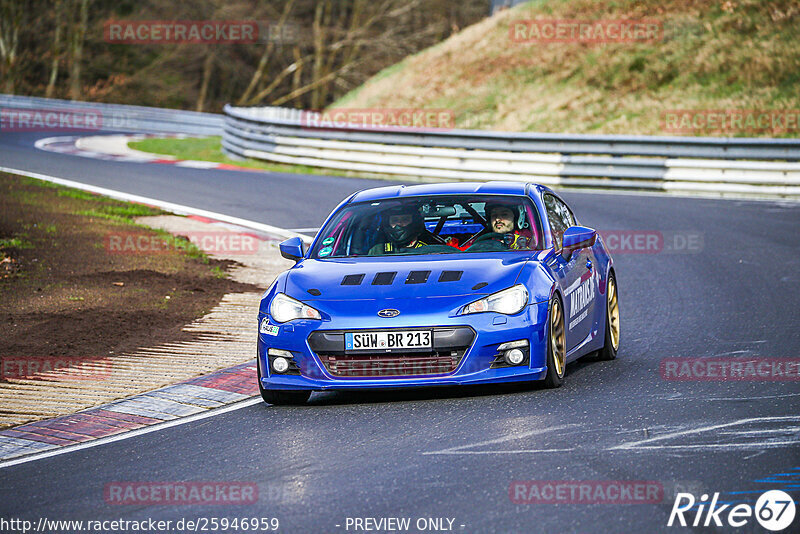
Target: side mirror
576, 238
293, 249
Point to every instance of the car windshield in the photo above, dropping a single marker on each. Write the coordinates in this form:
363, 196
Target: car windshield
450, 224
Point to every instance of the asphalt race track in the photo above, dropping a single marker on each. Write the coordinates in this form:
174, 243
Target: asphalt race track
454, 453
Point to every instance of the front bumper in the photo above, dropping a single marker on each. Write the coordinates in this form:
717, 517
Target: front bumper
474, 363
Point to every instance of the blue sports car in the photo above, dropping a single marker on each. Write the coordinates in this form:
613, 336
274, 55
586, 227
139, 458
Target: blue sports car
439, 284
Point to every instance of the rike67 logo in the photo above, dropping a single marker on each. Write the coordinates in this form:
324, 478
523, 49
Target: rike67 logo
774, 510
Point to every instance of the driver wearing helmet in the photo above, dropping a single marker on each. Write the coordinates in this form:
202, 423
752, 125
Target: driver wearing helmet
503, 227
404, 229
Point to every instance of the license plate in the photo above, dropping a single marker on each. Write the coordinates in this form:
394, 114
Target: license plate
408, 339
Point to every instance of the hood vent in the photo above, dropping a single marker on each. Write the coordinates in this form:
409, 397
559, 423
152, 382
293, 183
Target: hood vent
383, 279
480, 285
450, 276
353, 279
418, 277
315, 292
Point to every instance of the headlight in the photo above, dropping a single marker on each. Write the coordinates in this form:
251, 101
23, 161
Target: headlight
508, 301
284, 308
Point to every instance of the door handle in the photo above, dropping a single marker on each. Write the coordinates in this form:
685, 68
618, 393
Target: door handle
589, 264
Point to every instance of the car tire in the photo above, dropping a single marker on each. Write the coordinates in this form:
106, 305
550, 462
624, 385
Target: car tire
280, 397
611, 342
556, 345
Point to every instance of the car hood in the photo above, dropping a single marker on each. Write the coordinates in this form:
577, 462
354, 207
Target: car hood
404, 277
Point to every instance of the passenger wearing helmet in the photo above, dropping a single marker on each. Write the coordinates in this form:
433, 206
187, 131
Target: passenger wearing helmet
404, 229
504, 228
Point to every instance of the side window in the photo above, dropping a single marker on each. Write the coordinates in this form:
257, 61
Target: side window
554, 218
566, 215
560, 218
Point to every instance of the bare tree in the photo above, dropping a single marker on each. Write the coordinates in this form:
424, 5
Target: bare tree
263, 63
55, 51
208, 66
78, 37
320, 28
340, 32
317, 50
298, 73
11, 20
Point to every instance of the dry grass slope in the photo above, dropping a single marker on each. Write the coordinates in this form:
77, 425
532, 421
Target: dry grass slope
734, 54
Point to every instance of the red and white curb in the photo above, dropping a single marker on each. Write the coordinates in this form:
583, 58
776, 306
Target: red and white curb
188, 398
114, 148
198, 398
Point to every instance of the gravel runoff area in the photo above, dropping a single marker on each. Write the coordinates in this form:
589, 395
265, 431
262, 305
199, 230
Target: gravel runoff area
222, 338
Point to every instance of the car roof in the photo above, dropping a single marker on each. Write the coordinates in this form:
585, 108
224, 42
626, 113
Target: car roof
456, 188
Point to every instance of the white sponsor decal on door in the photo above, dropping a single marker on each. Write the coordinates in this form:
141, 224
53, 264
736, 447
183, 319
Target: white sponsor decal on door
579, 298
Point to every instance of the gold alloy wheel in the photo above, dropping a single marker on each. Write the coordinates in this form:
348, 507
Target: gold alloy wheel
613, 312
557, 341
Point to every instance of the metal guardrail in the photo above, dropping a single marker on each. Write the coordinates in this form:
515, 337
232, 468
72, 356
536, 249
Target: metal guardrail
688, 164
738, 166
109, 117
300, 123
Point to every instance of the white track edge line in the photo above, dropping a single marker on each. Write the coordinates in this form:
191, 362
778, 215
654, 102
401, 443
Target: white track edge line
177, 208
163, 204
131, 433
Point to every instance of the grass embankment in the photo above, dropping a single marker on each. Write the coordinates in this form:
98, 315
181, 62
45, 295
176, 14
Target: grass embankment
731, 55
735, 55
66, 291
210, 149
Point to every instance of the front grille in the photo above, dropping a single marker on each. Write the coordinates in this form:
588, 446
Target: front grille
450, 344
392, 365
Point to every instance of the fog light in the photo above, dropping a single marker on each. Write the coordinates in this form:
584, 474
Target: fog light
280, 364
514, 356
